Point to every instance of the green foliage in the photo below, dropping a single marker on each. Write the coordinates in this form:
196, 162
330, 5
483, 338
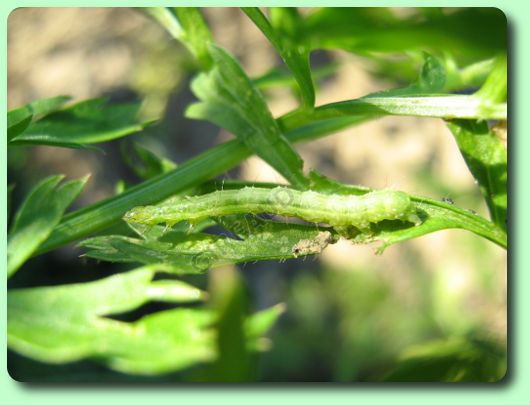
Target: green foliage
20, 118
487, 160
145, 163
470, 33
435, 216
230, 300
70, 322
37, 217
421, 98
483, 151
453, 52
189, 253
187, 25
346, 319
495, 88
456, 360
230, 100
75, 126
283, 31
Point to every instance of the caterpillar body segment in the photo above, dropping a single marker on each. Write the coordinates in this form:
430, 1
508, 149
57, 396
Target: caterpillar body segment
335, 210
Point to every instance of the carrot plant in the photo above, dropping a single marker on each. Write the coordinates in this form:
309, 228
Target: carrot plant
462, 80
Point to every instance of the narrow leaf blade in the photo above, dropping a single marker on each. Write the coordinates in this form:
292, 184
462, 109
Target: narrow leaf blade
284, 34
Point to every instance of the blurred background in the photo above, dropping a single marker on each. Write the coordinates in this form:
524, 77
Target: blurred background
351, 315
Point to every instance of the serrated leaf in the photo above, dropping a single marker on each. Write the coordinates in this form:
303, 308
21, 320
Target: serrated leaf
68, 323
118, 248
189, 174
486, 158
430, 81
86, 122
230, 100
284, 33
40, 212
192, 253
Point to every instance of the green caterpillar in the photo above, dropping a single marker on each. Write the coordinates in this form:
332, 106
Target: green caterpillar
335, 210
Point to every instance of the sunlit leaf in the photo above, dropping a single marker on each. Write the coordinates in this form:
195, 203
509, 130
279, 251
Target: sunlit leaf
67, 323
16, 128
20, 118
418, 99
230, 100
39, 214
187, 25
86, 122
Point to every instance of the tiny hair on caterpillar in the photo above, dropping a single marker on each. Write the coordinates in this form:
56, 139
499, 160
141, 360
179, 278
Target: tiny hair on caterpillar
335, 210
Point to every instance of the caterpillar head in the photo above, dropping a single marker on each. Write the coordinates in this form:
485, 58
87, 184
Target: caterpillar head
136, 215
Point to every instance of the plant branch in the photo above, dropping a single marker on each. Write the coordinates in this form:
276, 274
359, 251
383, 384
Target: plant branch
440, 106
195, 171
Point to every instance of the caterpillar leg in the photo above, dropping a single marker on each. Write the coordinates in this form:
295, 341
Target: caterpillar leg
414, 218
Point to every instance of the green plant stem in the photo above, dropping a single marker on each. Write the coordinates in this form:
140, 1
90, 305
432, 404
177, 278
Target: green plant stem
195, 171
447, 216
441, 106
300, 125
106, 212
